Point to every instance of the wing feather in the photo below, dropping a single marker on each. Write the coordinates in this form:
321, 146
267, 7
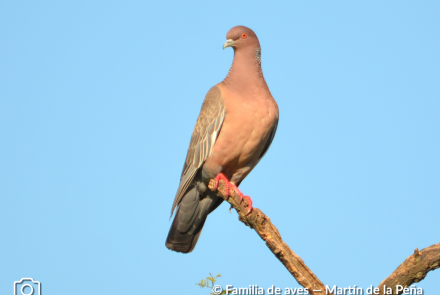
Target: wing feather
204, 135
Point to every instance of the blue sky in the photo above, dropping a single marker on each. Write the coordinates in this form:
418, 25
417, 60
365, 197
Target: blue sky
97, 104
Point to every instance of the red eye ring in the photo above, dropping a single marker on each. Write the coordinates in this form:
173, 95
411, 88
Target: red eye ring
244, 35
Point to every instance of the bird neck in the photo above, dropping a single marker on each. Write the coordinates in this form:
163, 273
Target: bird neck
245, 72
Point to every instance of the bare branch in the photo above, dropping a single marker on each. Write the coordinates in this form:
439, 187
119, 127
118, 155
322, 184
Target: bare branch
269, 233
413, 269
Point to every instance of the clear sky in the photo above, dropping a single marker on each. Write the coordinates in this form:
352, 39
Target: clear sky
97, 104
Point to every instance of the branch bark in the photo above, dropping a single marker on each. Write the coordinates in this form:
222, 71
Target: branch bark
413, 269
258, 221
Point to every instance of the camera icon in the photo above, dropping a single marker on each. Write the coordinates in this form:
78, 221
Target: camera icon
27, 286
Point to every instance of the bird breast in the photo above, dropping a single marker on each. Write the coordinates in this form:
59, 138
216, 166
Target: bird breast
249, 120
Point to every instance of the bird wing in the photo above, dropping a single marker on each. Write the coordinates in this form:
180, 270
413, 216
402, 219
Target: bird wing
203, 138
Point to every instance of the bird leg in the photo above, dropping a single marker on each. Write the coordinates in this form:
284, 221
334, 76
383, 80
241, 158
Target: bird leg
235, 188
225, 180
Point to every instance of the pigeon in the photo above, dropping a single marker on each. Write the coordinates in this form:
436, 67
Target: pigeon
235, 127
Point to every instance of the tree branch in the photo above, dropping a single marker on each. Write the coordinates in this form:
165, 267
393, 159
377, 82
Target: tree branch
269, 233
413, 269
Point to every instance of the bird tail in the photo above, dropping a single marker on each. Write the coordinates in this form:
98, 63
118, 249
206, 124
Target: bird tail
189, 220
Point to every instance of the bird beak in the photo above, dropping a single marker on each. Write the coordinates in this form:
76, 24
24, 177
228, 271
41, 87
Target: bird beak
228, 43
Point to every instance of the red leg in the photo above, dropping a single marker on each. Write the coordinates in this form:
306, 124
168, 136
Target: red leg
227, 183
239, 193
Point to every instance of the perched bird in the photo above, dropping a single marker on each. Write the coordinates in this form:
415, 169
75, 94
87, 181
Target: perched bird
235, 128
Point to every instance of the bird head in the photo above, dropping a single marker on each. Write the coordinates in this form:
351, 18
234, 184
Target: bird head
241, 37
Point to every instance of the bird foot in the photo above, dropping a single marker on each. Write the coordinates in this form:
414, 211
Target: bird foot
235, 188
226, 181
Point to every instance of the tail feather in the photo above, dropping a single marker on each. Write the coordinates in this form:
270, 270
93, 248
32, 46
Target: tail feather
189, 220
188, 210
181, 242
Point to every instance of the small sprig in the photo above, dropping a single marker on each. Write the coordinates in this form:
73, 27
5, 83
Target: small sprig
209, 283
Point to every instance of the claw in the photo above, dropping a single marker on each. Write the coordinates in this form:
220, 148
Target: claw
226, 181
221, 176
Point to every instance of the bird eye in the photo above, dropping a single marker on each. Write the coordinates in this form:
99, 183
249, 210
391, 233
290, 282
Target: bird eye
244, 35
